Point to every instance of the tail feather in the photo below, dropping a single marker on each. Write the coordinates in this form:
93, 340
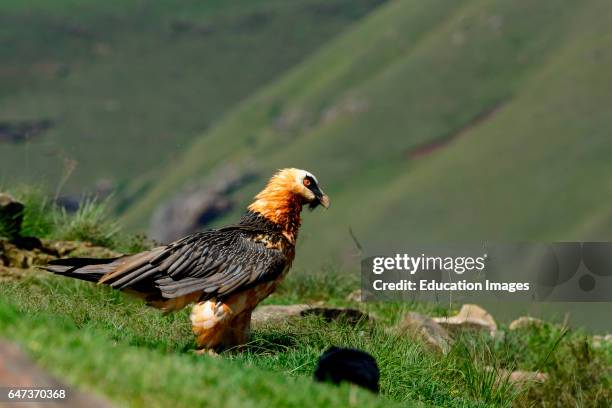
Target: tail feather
88, 269
134, 274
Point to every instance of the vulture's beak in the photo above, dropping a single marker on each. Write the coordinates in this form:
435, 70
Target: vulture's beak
324, 200
319, 198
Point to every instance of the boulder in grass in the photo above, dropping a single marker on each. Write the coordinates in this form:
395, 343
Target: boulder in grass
470, 317
355, 296
518, 377
10, 274
427, 330
277, 313
344, 314
600, 341
525, 322
17, 258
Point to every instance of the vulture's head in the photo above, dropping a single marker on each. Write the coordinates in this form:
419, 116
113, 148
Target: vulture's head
305, 185
290, 185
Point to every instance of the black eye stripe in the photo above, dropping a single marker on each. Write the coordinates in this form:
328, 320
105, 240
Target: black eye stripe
313, 183
313, 186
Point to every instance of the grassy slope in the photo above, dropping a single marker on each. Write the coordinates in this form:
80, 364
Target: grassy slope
97, 338
128, 91
126, 334
529, 171
104, 341
518, 88
153, 377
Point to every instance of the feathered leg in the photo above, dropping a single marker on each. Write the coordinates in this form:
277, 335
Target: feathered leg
238, 331
226, 324
209, 322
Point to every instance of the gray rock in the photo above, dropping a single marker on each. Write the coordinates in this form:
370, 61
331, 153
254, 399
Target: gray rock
518, 377
470, 317
355, 296
277, 313
345, 314
525, 322
427, 330
600, 341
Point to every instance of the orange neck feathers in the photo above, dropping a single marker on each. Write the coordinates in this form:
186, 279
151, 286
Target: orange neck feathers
280, 204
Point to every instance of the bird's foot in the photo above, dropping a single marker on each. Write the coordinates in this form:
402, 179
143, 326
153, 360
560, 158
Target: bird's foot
205, 352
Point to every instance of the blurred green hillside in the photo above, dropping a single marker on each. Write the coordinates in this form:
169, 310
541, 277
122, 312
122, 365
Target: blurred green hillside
434, 121
128, 84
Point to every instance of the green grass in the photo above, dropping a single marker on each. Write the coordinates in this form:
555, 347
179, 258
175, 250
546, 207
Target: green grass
102, 340
142, 376
130, 83
89, 223
518, 91
290, 350
580, 375
92, 222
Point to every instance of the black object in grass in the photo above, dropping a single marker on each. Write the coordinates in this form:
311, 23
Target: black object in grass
345, 364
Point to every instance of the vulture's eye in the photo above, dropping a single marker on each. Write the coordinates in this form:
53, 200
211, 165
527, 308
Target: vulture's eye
306, 182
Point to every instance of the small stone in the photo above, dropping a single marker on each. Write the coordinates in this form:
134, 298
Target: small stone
426, 329
525, 322
355, 296
276, 313
600, 341
64, 249
345, 314
14, 256
10, 274
518, 377
470, 317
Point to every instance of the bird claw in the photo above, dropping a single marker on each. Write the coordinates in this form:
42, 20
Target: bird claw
205, 352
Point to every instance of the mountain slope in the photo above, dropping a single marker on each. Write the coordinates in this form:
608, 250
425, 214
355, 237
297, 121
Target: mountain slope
127, 85
435, 121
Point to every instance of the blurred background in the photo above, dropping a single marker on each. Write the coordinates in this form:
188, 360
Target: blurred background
430, 121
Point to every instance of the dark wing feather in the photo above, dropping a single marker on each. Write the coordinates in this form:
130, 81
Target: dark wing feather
218, 262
